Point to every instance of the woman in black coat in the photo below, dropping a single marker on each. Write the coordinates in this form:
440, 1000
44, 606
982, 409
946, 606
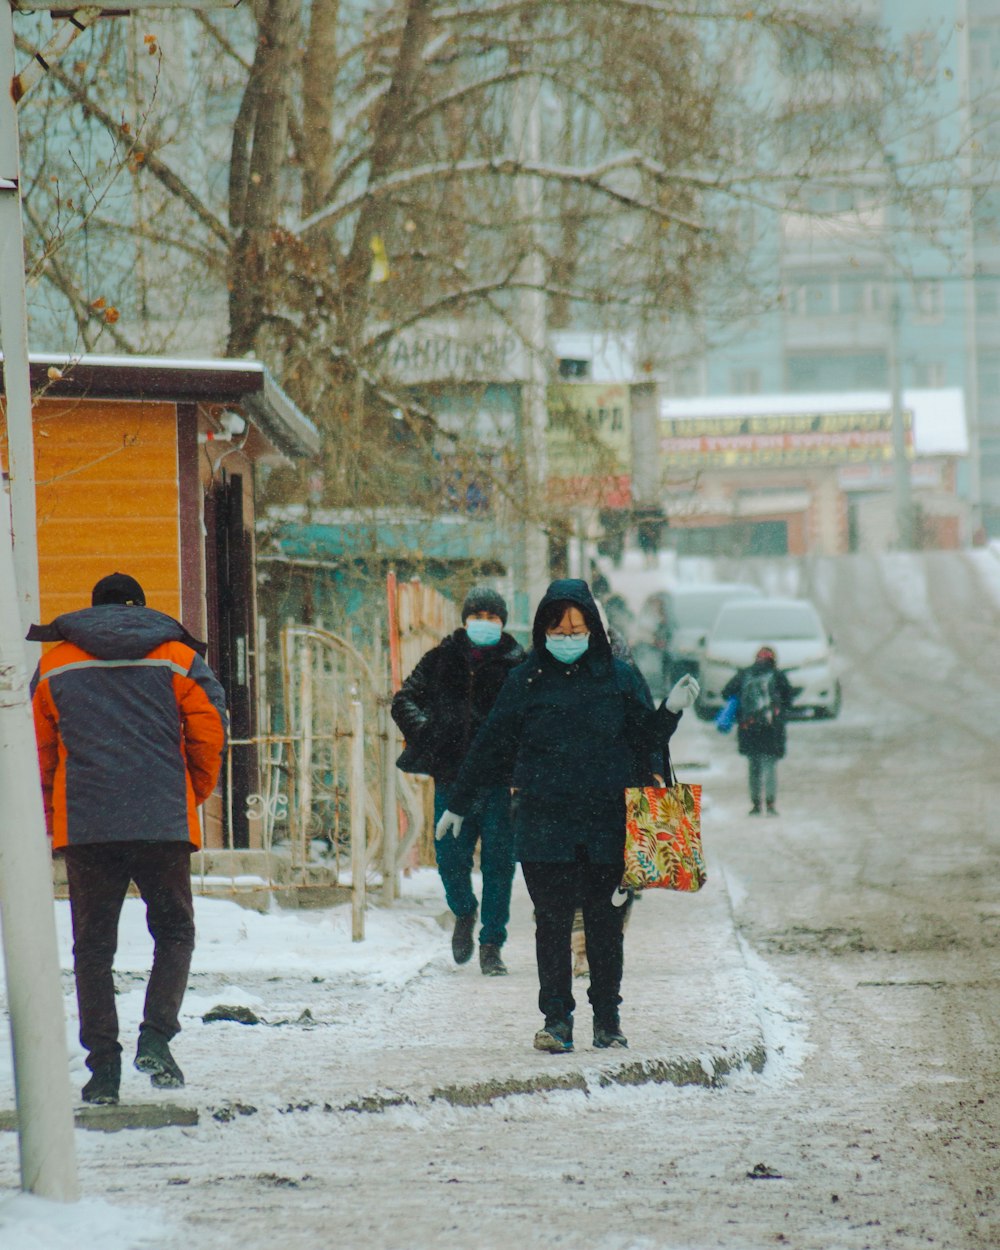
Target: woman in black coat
439, 709
573, 727
765, 696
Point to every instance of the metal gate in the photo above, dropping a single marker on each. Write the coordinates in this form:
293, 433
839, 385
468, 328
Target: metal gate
344, 789
328, 799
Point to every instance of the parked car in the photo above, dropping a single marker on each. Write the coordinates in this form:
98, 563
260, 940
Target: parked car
677, 621
804, 647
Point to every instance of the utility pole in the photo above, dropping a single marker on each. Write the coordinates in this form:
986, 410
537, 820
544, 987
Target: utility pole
27, 914
969, 171
902, 487
531, 566
901, 484
14, 341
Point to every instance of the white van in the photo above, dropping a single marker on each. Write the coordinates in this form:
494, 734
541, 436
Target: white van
794, 629
682, 617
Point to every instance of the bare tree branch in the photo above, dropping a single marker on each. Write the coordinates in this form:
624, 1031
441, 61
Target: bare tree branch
507, 166
151, 162
89, 319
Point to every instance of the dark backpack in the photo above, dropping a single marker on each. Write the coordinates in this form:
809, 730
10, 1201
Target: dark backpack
758, 699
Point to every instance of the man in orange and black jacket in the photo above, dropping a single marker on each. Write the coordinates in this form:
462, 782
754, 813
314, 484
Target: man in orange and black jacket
131, 729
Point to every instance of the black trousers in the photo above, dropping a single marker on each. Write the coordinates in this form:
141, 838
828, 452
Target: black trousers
557, 890
99, 877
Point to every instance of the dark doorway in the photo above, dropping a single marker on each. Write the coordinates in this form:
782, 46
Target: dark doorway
230, 610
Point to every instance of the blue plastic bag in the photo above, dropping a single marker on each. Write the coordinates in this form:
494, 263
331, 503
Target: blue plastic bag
727, 715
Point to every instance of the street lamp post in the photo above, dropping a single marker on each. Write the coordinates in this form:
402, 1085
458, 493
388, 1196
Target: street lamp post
34, 993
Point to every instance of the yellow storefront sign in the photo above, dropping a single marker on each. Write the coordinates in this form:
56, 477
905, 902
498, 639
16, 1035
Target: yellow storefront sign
589, 432
781, 439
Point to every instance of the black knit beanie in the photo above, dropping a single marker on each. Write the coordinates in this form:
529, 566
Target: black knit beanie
484, 599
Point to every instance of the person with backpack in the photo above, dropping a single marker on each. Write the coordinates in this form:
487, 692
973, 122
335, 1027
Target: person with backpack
439, 709
765, 696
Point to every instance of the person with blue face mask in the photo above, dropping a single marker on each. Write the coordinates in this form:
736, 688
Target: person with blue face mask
439, 709
572, 728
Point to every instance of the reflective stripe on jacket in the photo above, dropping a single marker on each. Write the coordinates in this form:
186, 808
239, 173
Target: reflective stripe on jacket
129, 743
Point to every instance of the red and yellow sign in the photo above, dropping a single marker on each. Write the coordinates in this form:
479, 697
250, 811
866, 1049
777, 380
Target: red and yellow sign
781, 439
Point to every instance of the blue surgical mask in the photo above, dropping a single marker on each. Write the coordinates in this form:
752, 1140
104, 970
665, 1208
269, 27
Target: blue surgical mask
567, 648
483, 633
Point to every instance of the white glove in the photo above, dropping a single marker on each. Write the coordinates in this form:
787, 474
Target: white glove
683, 694
449, 823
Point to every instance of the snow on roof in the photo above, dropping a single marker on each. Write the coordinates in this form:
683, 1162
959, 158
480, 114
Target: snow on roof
939, 424
247, 381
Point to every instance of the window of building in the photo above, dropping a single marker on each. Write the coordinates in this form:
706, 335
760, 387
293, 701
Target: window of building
989, 457
986, 215
984, 53
825, 371
685, 379
744, 381
988, 375
857, 295
805, 373
928, 299
929, 374
576, 370
921, 54
812, 295
987, 297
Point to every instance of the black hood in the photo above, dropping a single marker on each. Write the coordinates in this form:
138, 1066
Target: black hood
572, 590
113, 631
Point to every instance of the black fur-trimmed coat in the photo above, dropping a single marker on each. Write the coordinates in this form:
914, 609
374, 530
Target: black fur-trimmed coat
445, 700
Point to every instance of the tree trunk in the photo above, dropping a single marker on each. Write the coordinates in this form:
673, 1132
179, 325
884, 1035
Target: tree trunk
320, 73
389, 135
254, 203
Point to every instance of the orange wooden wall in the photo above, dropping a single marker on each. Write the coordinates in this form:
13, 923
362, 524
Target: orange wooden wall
108, 500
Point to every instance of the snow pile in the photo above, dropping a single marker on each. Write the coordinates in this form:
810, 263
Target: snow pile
29, 1223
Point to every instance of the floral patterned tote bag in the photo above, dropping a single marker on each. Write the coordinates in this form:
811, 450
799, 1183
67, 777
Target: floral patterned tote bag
663, 838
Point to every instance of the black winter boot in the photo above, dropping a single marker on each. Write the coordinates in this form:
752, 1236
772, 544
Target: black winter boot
462, 943
153, 1056
556, 1037
490, 963
102, 1088
608, 1032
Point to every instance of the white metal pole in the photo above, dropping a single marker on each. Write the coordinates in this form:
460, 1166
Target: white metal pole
34, 994
14, 343
359, 849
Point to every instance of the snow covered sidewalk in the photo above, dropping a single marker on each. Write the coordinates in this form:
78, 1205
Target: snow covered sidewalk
393, 1020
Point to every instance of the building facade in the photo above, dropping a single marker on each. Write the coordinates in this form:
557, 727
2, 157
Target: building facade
868, 291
